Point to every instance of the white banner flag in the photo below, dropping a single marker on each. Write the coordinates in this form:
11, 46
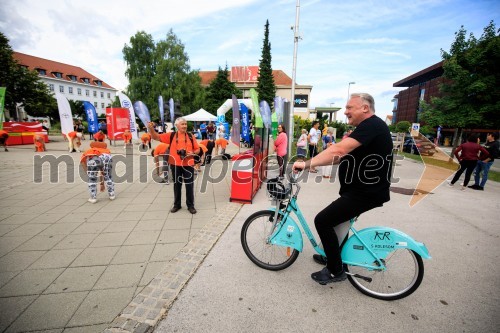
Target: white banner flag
64, 114
127, 104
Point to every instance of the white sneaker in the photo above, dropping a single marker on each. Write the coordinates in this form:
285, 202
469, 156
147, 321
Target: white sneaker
463, 188
92, 200
112, 196
450, 184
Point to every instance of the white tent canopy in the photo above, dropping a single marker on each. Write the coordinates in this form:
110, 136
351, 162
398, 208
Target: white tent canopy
200, 115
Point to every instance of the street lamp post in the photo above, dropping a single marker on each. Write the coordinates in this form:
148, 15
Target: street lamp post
348, 88
296, 37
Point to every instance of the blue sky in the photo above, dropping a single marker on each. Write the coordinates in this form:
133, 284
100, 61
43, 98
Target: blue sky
372, 43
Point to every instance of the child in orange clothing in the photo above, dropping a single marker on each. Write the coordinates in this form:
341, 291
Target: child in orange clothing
160, 153
127, 137
222, 143
146, 141
99, 136
39, 142
199, 157
98, 161
74, 142
4, 135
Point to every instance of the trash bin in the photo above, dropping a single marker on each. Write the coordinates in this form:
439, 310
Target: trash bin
242, 178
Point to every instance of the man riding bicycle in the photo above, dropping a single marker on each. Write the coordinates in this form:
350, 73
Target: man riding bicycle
364, 159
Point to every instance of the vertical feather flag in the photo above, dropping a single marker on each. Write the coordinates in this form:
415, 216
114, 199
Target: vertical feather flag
65, 114
162, 111
235, 131
92, 120
142, 112
256, 110
245, 123
127, 104
172, 112
266, 113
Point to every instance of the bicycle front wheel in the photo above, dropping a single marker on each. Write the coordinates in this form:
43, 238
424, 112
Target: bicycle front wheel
404, 273
254, 234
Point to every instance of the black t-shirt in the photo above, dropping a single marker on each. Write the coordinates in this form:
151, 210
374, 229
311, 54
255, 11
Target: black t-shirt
365, 173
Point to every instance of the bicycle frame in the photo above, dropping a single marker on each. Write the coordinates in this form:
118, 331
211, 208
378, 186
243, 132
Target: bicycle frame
366, 248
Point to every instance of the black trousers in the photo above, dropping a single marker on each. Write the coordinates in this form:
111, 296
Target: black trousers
183, 174
468, 166
280, 164
313, 150
341, 210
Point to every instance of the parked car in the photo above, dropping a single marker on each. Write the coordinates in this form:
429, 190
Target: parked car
419, 147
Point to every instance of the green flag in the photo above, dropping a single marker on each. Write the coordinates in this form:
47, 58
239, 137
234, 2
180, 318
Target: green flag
256, 109
274, 125
2, 100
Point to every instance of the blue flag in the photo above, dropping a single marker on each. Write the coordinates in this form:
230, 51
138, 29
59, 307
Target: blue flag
265, 111
172, 113
162, 112
91, 117
141, 110
278, 107
245, 123
235, 131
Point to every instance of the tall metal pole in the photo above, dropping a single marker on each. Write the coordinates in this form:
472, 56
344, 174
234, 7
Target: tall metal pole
296, 37
348, 88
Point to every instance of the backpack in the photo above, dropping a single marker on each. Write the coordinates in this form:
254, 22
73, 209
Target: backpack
172, 135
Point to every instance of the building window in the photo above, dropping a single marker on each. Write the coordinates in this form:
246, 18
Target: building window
57, 74
87, 92
51, 87
109, 95
85, 80
61, 89
79, 90
70, 90
42, 71
98, 82
95, 104
95, 93
102, 105
102, 94
72, 78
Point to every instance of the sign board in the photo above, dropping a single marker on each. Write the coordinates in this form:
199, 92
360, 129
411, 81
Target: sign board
301, 101
117, 120
244, 73
415, 129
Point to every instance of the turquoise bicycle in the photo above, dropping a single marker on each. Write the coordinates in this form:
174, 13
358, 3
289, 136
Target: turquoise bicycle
380, 262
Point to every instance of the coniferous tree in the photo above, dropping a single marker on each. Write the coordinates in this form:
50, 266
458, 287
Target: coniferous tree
219, 91
265, 85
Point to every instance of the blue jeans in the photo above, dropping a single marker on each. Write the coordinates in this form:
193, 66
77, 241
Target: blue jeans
485, 168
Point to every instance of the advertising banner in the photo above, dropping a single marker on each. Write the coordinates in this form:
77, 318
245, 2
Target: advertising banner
235, 131
118, 121
127, 104
301, 101
92, 120
244, 73
64, 114
245, 123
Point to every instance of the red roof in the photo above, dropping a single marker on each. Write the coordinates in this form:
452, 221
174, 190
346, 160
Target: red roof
280, 78
52, 67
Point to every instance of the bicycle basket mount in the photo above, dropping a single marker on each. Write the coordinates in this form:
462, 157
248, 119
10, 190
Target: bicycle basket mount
277, 189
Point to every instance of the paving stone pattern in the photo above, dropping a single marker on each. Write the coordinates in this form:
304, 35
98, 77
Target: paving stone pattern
68, 265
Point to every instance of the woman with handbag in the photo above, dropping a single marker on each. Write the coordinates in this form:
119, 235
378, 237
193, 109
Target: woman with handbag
301, 145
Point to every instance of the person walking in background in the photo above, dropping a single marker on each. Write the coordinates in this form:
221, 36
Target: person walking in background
280, 146
313, 138
127, 138
346, 134
328, 140
468, 158
211, 131
484, 163
301, 144
45, 126
203, 130
103, 127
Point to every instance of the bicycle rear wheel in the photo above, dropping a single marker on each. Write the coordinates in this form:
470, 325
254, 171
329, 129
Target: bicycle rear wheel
254, 233
404, 273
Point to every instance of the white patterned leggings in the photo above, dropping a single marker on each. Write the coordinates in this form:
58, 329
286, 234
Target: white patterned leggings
95, 164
